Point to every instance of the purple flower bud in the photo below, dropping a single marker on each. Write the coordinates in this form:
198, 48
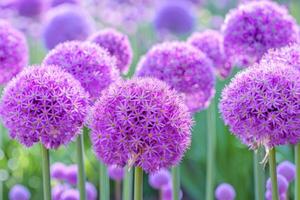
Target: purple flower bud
58, 190
70, 194
58, 171
65, 23
225, 191
55, 3
31, 8
167, 192
160, 178
115, 172
268, 195
19, 192
71, 174
91, 191
287, 169
283, 184
13, 52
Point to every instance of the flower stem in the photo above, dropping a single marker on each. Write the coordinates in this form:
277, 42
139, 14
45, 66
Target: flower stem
211, 148
118, 190
176, 182
127, 184
104, 183
138, 183
297, 161
259, 175
46, 173
81, 171
273, 174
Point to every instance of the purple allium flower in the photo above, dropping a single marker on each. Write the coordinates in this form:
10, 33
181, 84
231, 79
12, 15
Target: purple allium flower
31, 8
117, 44
283, 184
87, 62
160, 178
19, 192
184, 68
44, 103
210, 42
65, 23
91, 191
287, 169
71, 174
13, 52
136, 122
167, 192
289, 55
253, 28
115, 172
268, 195
175, 17
70, 194
55, 3
261, 105
58, 171
58, 190
225, 191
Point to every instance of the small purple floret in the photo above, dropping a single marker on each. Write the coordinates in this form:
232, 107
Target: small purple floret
160, 178
19, 192
58, 171
91, 191
283, 184
115, 172
225, 191
71, 174
70, 194
287, 169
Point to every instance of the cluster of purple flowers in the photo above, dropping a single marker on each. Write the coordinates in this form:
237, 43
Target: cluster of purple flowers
19, 192
225, 191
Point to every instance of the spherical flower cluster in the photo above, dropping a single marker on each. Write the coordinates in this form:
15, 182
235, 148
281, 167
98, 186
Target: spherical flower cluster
160, 178
253, 28
31, 8
289, 55
71, 174
117, 44
44, 103
210, 42
225, 191
115, 172
184, 68
288, 170
261, 105
19, 192
167, 192
13, 52
90, 64
58, 171
55, 3
282, 188
136, 122
70, 194
65, 23
176, 17
58, 190
91, 191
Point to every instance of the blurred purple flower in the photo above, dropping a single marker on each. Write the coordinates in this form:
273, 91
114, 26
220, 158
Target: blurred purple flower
287, 169
167, 192
91, 191
225, 191
70, 194
160, 178
19, 192
31, 8
283, 184
115, 172
58, 171
71, 174
58, 190
55, 3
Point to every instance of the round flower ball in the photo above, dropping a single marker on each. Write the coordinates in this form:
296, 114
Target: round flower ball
90, 64
55, 3
19, 192
115, 172
283, 184
70, 194
46, 104
225, 191
167, 192
136, 122
184, 68
210, 42
58, 171
66, 22
176, 17
261, 105
287, 169
31, 8
71, 174
91, 191
58, 190
160, 178
268, 195
289, 55
253, 28
13, 52
117, 44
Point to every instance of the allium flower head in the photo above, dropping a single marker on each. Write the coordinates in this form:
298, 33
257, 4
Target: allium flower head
58, 190
91, 191
137, 122
71, 174
184, 68
13, 52
253, 28
58, 171
90, 64
289, 55
31, 8
282, 184
115, 172
268, 195
210, 42
66, 23
55, 3
287, 169
19, 192
160, 178
176, 17
261, 105
167, 192
117, 44
70, 194
225, 191
46, 104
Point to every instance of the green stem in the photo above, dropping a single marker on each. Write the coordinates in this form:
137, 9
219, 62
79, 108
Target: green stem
297, 161
81, 171
127, 184
211, 148
104, 183
273, 174
176, 182
138, 183
259, 175
118, 192
46, 173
